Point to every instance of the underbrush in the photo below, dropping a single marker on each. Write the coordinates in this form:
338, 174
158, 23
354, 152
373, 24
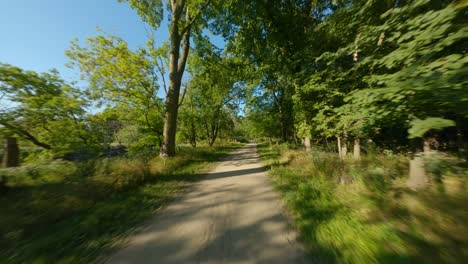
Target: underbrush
362, 212
75, 212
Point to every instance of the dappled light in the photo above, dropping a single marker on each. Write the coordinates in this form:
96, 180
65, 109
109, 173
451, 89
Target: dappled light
231, 215
351, 221
234, 131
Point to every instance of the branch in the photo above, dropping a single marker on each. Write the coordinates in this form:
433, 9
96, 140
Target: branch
191, 21
183, 96
26, 135
278, 101
173, 4
185, 51
177, 9
161, 71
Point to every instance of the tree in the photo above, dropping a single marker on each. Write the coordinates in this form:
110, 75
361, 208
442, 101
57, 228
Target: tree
123, 78
43, 110
213, 96
418, 76
183, 20
274, 37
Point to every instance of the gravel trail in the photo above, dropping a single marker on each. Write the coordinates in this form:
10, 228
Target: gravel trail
232, 216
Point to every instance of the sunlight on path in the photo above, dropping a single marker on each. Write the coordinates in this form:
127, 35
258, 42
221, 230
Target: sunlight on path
233, 216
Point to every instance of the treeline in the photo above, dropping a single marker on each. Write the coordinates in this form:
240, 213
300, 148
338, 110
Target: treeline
120, 109
390, 72
311, 72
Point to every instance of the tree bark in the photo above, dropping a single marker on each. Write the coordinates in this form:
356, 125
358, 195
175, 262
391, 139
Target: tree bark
193, 133
170, 118
307, 144
284, 136
417, 175
295, 136
177, 63
10, 153
344, 147
215, 135
338, 141
357, 148
279, 100
427, 147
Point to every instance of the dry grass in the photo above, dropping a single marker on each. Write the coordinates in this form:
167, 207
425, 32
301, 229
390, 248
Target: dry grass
65, 212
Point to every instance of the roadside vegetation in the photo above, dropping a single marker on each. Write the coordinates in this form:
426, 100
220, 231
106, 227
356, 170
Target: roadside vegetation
383, 81
351, 211
74, 212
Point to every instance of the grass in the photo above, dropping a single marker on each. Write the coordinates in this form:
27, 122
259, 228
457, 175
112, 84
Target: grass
67, 212
374, 218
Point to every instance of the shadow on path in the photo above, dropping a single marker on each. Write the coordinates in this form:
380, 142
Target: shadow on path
233, 216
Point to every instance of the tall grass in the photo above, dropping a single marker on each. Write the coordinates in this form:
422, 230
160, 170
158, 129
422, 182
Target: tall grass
371, 217
74, 212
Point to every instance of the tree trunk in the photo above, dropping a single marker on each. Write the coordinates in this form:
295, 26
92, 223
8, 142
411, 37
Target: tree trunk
284, 136
10, 153
177, 63
26, 135
170, 118
295, 136
214, 134
357, 148
307, 144
193, 135
417, 175
344, 147
427, 147
279, 100
338, 141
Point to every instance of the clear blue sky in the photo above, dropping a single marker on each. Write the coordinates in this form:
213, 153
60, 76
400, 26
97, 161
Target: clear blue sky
34, 34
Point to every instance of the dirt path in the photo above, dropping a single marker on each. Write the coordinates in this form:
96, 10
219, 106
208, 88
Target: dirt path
233, 216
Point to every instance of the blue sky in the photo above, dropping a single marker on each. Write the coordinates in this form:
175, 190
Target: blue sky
36, 33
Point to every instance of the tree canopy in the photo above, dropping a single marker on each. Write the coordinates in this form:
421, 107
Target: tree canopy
392, 72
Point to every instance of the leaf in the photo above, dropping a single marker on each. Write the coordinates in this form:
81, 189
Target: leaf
420, 127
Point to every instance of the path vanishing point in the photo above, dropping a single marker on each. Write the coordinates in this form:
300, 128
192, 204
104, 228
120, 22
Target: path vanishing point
232, 216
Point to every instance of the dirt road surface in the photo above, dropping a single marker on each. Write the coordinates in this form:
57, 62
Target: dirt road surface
232, 216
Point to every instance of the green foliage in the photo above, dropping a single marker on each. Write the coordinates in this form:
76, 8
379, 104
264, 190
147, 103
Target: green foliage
420, 127
416, 72
123, 78
82, 210
387, 71
44, 110
371, 218
210, 104
151, 11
